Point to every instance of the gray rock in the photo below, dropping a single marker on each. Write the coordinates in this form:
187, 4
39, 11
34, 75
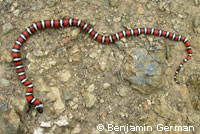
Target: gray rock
148, 73
7, 27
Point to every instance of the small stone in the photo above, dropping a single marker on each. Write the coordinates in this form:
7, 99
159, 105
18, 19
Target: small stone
122, 91
68, 96
95, 132
38, 131
75, 33
114, 3
65, 76
117, 19
77, 129
7, 28
120, 45
16, 12
150, 39
51, 3
140, 10
37, 5
6, 56
12, 8
61, 123
45, 124
15, 4
93, 54
101, 100
90, 99
196, 2
38, 53
55, 95
196, 22
91, 88
75, 49
4, 82
9, 1
123, 40
119, 56
106, 85
41, 85
102, 65
59, 106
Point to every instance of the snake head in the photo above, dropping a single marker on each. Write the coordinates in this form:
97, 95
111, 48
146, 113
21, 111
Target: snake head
40, 109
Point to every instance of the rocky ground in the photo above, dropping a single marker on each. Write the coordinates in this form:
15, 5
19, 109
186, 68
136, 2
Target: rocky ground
83, 83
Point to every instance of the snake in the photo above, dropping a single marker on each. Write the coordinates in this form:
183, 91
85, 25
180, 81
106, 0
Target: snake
101, 38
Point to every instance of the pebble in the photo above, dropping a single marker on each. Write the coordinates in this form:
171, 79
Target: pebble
41, 85
117, 19
103, 65
9, 1
75, 33
120, 45
196, 2
196, 22
93, 54
122, 91
114, 3
75, 49
4, 82
51, 3
95, 132
91, 88
16, 12
38, 131
68, 96
77, 129
6, 56
106, 85
37, 5
54, 95
7, 27
140, 10
65, 76
37, 53
61, 123
45, 124
90, 99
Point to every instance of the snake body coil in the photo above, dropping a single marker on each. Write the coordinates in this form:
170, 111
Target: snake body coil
93, 34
